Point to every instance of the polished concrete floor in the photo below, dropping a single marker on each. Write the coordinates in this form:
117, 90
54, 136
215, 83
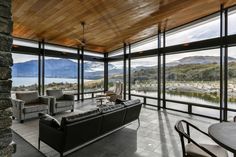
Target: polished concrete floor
156, 137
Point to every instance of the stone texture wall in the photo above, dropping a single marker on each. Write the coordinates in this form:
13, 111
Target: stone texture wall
6, 24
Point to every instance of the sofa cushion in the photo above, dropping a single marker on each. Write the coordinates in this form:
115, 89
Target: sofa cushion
131, 102
58, 94
49, 120
110, 108
80, 116
28, 97
61, 103
35, 108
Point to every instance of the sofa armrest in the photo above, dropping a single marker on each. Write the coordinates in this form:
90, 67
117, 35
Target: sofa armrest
68, 97
18, 104
44, 100
51, 136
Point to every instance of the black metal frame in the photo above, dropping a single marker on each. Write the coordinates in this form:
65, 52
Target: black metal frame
82, 73
221, 42
124, 71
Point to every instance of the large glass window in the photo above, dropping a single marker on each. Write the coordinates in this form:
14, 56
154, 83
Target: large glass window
200, 31
61, 74
194, 77
231, 80
147, 44
144, 77
115, 73
24, 73
231, 22
93, 76
116, 53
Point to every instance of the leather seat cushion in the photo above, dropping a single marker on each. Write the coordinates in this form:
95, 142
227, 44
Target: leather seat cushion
34, 108
131, 102
193, 151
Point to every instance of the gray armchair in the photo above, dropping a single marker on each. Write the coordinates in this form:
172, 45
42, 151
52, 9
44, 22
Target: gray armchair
60, 102
28, 104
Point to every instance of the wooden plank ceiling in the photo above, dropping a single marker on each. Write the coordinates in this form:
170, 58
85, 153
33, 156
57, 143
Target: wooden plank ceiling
109, 23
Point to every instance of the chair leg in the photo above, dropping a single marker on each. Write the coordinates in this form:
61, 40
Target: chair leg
72, 110
38, 144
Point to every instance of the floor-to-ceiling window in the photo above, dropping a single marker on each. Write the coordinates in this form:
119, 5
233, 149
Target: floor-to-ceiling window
144, 77
115, 74
61, 73
194, 77
231, 80
24, 73
93, 77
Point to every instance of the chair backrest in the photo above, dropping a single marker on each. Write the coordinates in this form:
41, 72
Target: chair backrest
180, 129
119, 88
185, 134
57, 93
28, 97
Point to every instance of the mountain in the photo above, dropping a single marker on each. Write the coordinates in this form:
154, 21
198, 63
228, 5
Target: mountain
196, 66
199, 60
59, 68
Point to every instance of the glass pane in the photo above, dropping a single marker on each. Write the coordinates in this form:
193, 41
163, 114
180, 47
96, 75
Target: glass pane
147, 44
115, 73
194, 77
26, 43
60, 48
200, 31
61, 74
231, 79
144, 76
116, 52
93, 76
24, 73
232, 22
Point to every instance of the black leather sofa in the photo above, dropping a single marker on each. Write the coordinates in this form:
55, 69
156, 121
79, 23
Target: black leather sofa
79, 130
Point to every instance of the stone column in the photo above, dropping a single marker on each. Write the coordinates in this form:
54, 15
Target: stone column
6, 24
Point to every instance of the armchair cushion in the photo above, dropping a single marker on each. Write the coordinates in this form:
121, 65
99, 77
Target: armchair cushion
49, 120
28, 97
58, 94
35, 108
193, 151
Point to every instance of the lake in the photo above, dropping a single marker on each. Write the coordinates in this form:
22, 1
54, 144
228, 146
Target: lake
26, 81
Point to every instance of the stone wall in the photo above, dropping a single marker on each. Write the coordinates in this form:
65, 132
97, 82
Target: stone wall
6, 144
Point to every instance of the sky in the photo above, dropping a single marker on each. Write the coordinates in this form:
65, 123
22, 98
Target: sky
206, 30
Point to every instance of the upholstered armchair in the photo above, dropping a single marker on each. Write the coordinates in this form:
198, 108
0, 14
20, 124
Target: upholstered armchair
60, 102
28, 104
117, 93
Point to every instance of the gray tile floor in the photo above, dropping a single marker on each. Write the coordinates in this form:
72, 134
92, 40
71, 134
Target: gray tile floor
156, 136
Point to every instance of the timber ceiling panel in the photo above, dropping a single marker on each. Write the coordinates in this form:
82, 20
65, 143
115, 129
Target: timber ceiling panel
109, 23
